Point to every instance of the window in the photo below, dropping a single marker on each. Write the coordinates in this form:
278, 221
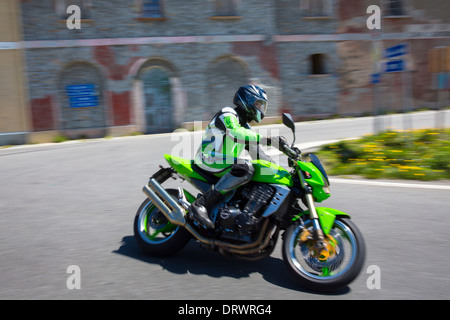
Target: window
225, 8
394, 8
316, 8
62, 5
317, 61
151, 9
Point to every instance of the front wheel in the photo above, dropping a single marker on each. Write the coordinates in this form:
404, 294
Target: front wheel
155, 234
327, 266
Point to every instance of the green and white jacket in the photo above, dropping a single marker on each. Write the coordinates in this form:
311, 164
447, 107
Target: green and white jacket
224, 140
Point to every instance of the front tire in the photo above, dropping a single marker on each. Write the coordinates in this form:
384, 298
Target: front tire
330, 272
155, 234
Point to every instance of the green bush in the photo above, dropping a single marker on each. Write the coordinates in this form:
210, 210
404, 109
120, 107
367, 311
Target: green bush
420, 154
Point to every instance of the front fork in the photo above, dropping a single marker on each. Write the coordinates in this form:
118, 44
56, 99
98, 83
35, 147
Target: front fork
317, 229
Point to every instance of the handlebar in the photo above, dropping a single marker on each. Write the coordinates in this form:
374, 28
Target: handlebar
290, 152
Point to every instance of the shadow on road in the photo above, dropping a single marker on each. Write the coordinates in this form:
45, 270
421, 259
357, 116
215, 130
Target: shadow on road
195, 260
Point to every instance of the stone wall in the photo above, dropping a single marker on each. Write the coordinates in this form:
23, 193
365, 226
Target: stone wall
205, 69
312, 65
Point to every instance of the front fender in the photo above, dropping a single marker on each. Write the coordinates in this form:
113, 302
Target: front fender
326, 217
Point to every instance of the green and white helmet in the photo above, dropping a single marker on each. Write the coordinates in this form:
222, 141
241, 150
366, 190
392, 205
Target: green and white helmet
253, 101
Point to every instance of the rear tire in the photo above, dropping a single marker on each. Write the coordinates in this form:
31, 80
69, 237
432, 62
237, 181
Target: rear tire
155, 234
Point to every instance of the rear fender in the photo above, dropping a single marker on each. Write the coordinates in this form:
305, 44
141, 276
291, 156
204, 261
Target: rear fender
326, 217
183, 167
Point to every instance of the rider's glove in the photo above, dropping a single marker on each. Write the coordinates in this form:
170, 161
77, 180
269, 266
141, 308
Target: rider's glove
282, 142
277, 141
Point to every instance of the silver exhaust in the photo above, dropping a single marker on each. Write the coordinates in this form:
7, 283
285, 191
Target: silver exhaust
164, 202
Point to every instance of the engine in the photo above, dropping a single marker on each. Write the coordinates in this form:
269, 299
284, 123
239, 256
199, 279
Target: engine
239, 219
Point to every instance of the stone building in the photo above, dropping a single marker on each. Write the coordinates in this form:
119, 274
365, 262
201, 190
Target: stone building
154, 65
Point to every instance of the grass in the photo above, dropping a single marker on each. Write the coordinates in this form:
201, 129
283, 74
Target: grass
419, 155
60, 138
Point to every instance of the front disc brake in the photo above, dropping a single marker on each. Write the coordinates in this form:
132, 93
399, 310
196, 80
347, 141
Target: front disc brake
320, 254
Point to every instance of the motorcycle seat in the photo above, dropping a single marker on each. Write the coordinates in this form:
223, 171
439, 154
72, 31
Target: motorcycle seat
208, 176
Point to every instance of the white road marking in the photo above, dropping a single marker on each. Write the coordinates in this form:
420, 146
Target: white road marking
390, 184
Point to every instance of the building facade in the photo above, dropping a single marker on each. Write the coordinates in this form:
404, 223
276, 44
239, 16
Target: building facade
152, 66
14, 111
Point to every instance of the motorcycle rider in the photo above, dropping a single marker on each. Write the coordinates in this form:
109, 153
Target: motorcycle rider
225, 138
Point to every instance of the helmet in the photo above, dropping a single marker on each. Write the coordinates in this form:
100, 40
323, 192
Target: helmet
252, 100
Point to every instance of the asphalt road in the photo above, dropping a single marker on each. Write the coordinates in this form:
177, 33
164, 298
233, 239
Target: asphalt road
74, 203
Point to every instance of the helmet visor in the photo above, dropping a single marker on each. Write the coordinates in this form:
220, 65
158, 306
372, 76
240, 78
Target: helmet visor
261, 105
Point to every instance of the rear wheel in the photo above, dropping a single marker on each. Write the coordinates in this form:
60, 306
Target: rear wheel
155, 234
328, 266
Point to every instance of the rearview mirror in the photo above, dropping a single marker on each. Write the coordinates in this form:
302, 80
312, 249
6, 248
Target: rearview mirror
289, 122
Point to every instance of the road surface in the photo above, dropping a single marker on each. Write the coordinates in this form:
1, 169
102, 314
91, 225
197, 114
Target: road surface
73, 204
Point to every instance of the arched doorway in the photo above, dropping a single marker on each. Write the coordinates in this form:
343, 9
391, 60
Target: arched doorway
157, 99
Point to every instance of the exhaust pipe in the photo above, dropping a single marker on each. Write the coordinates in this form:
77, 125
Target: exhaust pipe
164, 202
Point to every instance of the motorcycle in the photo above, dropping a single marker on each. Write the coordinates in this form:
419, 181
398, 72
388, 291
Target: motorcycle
322, 248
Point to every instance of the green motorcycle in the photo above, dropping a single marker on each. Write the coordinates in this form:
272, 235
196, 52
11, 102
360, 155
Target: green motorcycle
322, 248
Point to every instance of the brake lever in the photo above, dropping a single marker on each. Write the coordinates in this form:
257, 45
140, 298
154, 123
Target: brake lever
296, 150
291, 152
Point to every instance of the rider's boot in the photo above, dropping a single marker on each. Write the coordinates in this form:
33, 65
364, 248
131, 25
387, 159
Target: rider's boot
199, 210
